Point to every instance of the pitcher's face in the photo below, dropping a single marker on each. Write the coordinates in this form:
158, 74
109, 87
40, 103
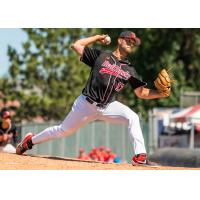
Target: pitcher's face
126, 45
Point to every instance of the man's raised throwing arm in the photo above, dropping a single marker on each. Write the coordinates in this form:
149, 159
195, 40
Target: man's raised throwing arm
79, 45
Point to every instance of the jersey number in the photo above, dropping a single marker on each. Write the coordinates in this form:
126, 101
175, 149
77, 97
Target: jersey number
119, 86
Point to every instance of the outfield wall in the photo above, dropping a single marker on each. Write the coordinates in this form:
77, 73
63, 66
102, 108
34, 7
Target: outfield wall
94, 134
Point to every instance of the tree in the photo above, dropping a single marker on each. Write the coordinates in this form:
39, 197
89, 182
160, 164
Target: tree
163, 48
48, 75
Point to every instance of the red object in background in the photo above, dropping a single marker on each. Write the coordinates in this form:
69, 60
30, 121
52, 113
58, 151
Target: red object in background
102, 148
82, 155
92, 154
197, 128
102, 154
81, 150
110, 156
190, 112
95, 154
92, 151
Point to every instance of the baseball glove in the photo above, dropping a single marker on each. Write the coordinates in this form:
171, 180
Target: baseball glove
163, 82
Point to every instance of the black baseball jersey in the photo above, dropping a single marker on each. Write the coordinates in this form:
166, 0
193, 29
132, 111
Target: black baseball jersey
11, 130
108, 75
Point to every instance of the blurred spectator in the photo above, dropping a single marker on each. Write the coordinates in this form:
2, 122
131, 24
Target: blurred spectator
103, 152
110, 156
82, 155
93, 154
99, 155
8, 133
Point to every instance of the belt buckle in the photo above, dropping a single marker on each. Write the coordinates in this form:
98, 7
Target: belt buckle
96, 104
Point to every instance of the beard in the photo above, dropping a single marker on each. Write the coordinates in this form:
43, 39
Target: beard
126, 49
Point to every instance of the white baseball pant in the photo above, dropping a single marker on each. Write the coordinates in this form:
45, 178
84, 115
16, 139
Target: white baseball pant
83, 112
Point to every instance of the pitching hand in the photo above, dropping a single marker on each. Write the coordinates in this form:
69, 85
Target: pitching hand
102, 39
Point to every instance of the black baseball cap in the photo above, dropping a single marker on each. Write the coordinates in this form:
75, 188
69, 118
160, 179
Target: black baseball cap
130, 35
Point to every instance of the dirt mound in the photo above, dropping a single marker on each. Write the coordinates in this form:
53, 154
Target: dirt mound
31, 162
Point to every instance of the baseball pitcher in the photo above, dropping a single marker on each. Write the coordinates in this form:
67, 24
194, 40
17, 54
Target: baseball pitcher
110, 72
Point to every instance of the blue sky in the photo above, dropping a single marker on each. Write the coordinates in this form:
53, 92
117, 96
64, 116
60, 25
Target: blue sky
13, 37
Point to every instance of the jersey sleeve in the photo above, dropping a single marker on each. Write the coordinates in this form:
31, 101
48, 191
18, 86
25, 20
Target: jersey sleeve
135, 81
89, 56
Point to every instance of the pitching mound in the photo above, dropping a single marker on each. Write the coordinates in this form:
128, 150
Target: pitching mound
32, 162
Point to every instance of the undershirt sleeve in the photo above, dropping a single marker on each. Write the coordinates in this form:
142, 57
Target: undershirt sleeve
135, 81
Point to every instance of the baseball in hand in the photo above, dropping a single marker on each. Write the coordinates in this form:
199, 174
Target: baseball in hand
107, 40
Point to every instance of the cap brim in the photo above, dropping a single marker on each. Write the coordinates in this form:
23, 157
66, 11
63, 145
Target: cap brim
6, 117
137, 41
